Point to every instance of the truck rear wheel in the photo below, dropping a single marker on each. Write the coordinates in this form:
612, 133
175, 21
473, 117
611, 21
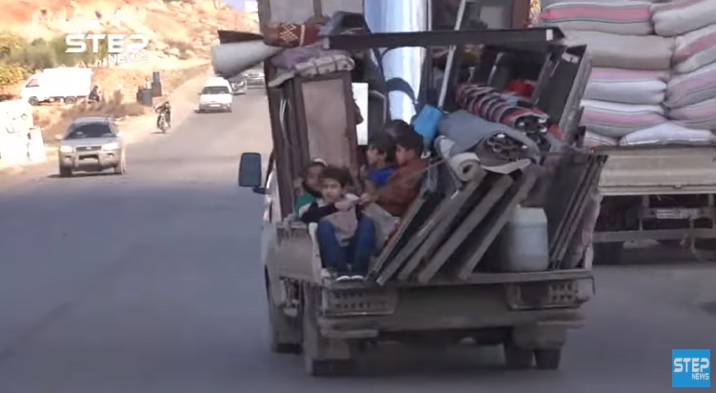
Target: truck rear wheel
317, 358
548, 359
277, 323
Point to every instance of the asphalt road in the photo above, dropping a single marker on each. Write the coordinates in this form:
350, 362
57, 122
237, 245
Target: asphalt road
151, 283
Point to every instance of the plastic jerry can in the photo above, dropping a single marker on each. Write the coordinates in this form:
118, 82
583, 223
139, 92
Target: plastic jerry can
524, 242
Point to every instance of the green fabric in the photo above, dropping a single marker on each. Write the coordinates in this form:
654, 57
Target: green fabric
303, 200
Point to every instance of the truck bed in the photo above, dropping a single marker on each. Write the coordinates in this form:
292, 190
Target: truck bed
662, 170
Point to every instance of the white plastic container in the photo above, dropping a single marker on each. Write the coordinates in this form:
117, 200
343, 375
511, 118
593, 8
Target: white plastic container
524, 242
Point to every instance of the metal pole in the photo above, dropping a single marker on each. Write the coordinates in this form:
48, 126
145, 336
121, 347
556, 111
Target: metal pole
451, 54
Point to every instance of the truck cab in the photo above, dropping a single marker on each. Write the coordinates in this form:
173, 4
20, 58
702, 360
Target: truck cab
440, 280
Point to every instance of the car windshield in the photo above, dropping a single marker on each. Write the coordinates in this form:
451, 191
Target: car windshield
90, 130
216, 90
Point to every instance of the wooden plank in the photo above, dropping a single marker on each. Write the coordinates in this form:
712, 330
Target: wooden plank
391, 248
466, 227
424, 211
497, 221
439, 223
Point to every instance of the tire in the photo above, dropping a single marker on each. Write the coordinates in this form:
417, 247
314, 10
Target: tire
69, 100
229, 109
609, 253
121, 168
517, 358
65, 171
548, 359
33, 101
276, 345
312, 340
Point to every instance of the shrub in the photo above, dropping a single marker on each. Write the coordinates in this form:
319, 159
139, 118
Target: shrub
11, 74
33, 57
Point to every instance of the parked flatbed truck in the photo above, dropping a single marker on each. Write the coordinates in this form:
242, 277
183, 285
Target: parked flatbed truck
426, 285
662, 193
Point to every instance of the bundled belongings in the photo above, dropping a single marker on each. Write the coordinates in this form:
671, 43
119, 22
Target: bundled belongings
619, 17
506, 108
624, 51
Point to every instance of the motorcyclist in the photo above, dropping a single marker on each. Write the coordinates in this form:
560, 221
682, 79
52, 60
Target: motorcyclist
94, 94
167, 110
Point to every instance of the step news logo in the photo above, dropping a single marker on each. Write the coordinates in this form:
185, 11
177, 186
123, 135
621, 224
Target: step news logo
690, 368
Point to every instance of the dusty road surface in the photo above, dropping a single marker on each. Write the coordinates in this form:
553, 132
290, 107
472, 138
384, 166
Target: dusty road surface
151, 283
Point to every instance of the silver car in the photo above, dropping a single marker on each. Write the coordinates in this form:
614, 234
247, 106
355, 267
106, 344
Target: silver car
91, 144
254, 77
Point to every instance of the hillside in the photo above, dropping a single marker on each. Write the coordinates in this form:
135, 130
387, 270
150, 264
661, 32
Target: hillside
180, 34
176, 29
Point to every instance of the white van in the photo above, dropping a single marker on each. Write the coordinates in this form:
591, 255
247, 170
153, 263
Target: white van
64, 84
216, 95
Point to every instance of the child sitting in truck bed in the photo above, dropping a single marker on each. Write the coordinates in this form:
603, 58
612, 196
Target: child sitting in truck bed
380, 158
403, 185
346, 239
310, 185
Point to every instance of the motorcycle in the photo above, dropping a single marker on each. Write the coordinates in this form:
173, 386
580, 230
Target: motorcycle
162, 122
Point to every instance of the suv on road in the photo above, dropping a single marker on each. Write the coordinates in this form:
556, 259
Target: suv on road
91, 144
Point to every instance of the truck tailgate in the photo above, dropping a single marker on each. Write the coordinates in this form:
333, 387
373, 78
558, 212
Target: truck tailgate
658, 170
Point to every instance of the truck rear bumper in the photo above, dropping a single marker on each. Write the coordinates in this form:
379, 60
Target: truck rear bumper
371, 312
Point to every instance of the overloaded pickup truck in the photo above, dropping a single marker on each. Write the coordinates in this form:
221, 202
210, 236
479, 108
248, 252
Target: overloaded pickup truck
443, 277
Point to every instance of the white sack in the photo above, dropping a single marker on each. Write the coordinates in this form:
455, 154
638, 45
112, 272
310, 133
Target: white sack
701, 115
616, 17
695, 50
626, 86
617, 120
592, 139
624, 51
691, 88
667, 134
680, 17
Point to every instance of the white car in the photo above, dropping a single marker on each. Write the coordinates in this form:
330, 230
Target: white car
216, 96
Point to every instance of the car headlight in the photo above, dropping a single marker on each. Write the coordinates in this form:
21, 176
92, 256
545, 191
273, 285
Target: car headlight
111, 146
66, 149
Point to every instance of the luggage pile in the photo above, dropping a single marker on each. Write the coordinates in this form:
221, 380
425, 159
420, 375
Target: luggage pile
641, 90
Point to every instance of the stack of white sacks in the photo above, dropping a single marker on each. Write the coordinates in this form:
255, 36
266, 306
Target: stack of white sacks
691, 92
630, 94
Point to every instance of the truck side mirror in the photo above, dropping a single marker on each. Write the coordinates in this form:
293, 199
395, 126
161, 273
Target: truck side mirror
58, 138
250, 172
